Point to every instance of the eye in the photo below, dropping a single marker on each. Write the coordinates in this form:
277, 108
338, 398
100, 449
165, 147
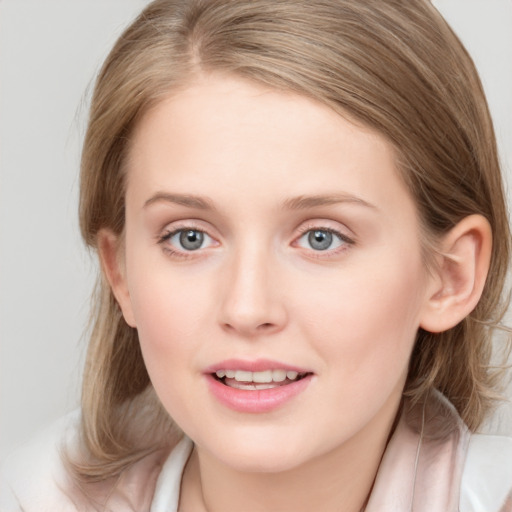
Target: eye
188, 239
322, 240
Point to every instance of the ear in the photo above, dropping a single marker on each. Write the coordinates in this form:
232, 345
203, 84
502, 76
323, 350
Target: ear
459, 280
112, 262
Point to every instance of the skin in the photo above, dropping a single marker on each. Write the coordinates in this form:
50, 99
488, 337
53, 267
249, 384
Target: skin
257, 288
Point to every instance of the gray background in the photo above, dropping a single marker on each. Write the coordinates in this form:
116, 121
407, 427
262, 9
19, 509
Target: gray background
49, 52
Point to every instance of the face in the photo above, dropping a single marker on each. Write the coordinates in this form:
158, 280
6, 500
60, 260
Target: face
272, 267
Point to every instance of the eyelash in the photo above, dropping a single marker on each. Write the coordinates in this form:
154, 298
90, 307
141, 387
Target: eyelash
169, 234
346, 241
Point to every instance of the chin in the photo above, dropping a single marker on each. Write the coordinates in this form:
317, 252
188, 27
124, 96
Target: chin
264, 453
256, 462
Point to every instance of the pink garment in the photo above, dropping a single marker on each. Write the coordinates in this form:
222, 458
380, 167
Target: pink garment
423, 469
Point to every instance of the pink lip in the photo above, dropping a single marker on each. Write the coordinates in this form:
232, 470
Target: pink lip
259, 365
255, 401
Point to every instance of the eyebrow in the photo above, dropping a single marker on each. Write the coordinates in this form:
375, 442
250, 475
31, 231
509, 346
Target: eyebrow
294, 203
305, 202
191, 201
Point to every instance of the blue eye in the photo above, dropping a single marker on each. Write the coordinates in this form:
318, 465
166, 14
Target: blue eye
321, 240
188, 239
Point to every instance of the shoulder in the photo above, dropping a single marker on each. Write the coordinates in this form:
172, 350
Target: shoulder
33, 477
487, 475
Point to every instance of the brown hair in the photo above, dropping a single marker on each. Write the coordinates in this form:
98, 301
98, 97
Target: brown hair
394, 65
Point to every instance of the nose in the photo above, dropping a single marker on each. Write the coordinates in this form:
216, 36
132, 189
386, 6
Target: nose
252, 301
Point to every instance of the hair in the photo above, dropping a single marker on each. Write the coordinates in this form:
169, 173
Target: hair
393, 65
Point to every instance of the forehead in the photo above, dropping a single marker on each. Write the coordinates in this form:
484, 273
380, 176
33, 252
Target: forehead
239, 139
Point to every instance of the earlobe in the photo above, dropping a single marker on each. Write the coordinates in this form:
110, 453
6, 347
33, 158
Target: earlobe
113, 268
463, 264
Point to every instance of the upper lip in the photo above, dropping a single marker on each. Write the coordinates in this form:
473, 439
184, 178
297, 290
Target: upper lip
257, 365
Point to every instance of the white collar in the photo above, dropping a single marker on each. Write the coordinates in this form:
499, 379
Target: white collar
167, 491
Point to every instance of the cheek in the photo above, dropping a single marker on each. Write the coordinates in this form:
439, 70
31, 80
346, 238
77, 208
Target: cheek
169, 333
367, 321
167, 301
161, 308
167, 314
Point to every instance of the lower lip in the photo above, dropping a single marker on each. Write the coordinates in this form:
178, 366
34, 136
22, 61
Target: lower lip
256, 401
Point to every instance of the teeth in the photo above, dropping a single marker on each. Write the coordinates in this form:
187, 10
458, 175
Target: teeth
251, 386
242, 376
278, 375
264, 377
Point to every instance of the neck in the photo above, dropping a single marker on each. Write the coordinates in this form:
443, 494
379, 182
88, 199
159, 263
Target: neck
302, 489
342, 477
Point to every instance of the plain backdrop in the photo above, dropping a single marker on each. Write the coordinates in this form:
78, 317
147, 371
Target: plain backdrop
49, 52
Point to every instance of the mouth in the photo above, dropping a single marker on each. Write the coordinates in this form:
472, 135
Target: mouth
257, 387
259, 380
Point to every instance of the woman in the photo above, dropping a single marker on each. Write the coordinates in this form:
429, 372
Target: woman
299, 213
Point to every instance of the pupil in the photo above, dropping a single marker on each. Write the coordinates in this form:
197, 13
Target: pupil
191, 240
320, 240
